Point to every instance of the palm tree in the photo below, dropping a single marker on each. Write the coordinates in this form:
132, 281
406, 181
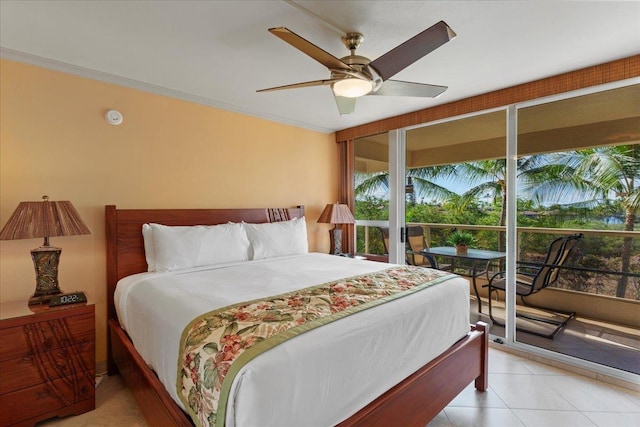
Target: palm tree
371, 184
599, 173
489, 180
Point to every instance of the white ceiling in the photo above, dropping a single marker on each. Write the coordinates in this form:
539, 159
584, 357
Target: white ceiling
220, 52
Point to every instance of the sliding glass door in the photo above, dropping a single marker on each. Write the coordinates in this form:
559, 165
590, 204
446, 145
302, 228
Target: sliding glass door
456, 193
517, 179
380, 192
579, 167
377, 168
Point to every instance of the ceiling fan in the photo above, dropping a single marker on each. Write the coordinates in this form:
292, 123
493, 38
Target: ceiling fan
353, 76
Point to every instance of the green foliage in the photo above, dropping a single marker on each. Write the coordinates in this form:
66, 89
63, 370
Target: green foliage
426, 213
372, 208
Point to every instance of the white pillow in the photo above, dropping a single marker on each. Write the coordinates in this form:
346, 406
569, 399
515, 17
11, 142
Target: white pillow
274, 239
183, 247
149, 247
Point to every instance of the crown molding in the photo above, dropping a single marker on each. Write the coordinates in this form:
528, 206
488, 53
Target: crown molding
63, 67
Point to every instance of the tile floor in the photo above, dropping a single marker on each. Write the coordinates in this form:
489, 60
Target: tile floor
521, 392
526, 393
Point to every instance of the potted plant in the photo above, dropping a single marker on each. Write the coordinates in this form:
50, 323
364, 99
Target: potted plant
461, 240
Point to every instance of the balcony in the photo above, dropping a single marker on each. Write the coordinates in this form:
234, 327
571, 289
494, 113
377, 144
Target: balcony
606, 329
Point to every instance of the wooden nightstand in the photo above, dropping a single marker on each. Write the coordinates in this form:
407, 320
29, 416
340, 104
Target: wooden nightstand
47, 362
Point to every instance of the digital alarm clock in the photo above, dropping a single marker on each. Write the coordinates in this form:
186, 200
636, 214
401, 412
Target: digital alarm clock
70, 298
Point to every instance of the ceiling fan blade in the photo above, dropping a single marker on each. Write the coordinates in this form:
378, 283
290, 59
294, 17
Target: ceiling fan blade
345, 105
398, 88
323, 57
303, 84
400, 57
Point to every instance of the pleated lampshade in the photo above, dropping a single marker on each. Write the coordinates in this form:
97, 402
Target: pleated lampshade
336, 213
43, 219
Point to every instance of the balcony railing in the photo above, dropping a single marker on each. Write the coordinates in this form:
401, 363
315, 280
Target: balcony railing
581, 288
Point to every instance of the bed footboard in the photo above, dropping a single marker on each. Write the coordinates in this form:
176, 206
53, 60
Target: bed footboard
413, 402
422, 395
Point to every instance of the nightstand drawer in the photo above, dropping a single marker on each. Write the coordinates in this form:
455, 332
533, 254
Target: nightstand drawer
40, 367
47, 362
51, 398
45, 335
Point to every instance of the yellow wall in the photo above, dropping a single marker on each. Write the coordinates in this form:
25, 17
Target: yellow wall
168, 153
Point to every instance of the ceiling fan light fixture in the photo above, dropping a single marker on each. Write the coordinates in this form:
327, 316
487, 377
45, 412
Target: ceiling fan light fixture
352, 87
354, 76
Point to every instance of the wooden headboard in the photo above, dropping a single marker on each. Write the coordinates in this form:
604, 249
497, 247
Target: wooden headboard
125, 247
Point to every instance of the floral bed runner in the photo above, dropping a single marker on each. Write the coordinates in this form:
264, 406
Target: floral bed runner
215, 346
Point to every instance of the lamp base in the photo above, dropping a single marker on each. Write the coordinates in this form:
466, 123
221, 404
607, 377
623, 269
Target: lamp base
45, 261
335, 236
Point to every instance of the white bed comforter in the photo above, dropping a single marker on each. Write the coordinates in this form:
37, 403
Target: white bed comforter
316, 379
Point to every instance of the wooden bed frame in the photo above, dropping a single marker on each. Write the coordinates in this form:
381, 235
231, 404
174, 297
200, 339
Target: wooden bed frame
413, 402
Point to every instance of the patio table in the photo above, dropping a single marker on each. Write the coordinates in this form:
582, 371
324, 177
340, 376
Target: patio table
476, 256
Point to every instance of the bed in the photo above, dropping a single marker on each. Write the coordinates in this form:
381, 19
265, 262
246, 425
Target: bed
414, 400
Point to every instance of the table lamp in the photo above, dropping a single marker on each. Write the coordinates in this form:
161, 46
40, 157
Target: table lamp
44, 219
336, 214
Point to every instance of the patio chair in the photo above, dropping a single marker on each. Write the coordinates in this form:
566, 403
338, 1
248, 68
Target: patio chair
414, 245
531, 278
